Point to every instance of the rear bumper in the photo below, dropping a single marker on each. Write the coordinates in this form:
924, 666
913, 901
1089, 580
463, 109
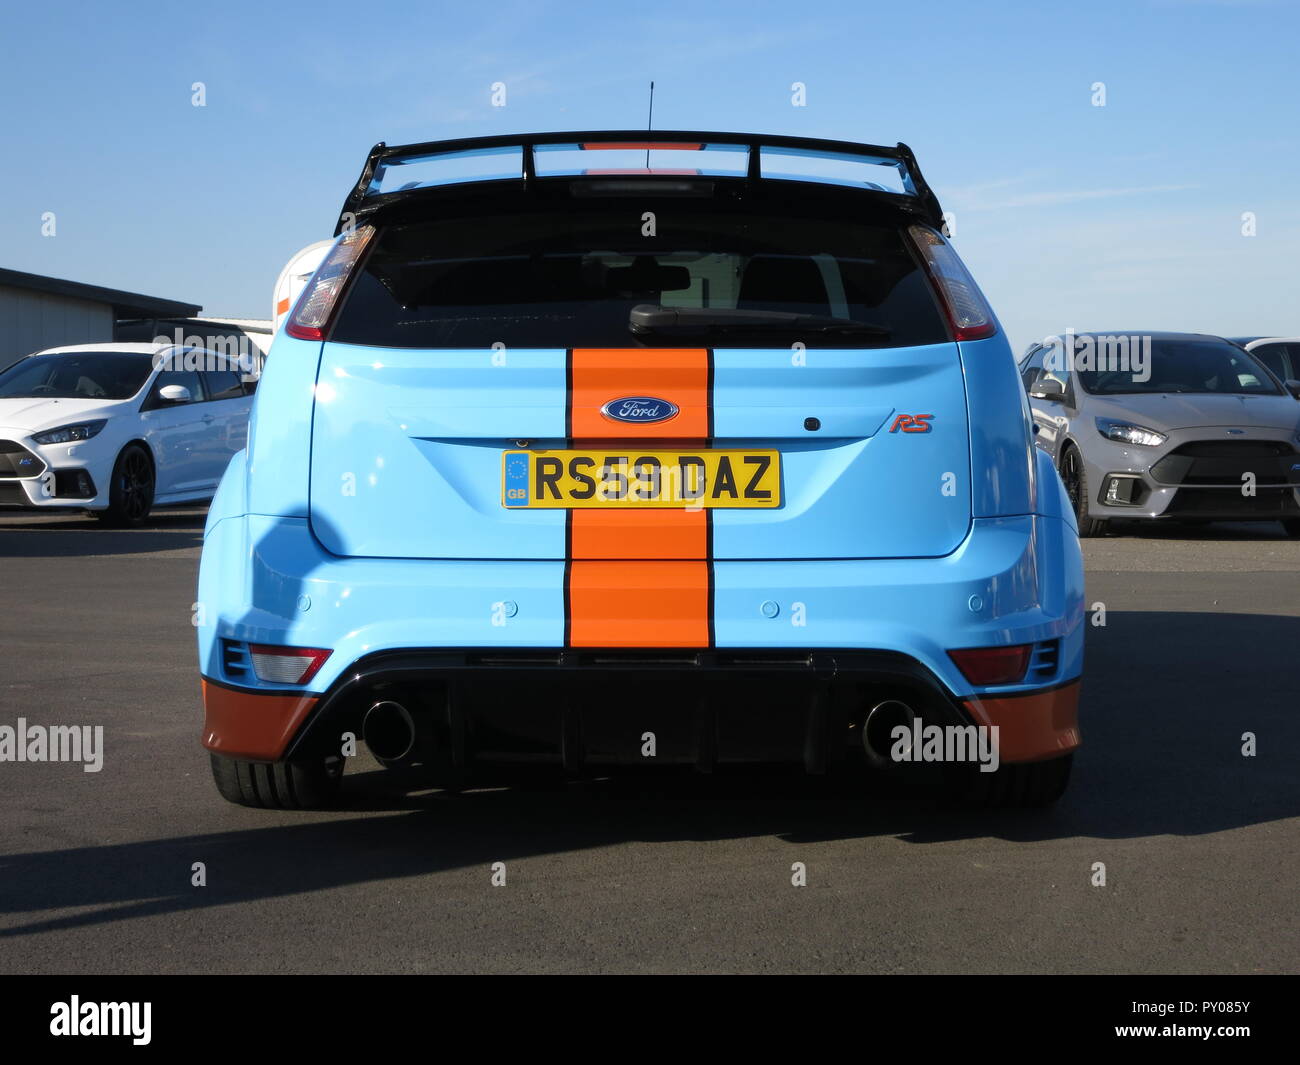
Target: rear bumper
599, 707
1013, 580
841, 631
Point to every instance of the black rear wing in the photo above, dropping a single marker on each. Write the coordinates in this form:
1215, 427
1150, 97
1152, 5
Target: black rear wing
520, 154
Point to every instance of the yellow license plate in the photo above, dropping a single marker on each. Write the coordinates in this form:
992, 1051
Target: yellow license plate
681, 479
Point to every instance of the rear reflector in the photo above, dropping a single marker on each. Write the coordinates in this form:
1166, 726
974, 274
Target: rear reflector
316, 306
993, 665
969, 315
286, 665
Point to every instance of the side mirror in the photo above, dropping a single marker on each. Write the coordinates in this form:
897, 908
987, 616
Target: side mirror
1049, 390
1293, 386
174, 394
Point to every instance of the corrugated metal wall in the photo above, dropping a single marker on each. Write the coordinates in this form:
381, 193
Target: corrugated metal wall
30, 321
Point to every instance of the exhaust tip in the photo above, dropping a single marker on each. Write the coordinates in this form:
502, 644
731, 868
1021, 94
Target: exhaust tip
389, 731
878, 727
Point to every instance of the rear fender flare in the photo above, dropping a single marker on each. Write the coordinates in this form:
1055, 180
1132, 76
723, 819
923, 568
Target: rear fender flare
1052, 500
231, 498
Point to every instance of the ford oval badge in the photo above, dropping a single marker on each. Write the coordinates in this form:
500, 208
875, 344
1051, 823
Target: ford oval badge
645, 409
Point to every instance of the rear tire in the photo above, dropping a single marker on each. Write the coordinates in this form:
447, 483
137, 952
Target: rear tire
1292, 527
278, 785
130, 490
1076, 487
1026, 785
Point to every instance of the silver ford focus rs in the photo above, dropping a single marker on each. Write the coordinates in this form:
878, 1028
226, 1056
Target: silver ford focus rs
1166, 426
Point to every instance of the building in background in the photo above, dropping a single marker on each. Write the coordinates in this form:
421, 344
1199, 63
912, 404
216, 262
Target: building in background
46, 312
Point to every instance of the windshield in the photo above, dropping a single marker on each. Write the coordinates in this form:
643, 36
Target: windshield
1193, 366
572, 278
77, 375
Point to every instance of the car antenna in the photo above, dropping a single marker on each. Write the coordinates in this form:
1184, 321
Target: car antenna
649, 122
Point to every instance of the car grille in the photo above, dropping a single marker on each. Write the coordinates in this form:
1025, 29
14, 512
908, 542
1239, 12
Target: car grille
1223, 462
17, 461
1228, 504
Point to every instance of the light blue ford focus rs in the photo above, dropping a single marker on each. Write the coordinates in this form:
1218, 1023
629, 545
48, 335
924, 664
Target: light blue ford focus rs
613, 449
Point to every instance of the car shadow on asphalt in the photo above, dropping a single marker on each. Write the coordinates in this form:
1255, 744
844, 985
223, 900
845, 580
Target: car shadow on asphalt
76, 536
1168, 700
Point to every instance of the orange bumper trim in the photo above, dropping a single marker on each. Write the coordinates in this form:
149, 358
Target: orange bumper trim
1032, 726
249, 725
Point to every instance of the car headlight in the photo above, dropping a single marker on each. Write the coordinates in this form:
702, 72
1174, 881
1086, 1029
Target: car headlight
1127, 433
67, 434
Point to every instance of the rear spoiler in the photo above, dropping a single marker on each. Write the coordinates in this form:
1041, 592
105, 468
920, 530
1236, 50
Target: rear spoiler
366, 197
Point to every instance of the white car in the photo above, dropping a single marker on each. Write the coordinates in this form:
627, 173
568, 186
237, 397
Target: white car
1279, 354
119, 428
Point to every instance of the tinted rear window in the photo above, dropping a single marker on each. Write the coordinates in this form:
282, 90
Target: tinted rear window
559, 279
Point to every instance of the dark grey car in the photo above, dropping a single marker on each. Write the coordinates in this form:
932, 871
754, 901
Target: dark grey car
1166, 426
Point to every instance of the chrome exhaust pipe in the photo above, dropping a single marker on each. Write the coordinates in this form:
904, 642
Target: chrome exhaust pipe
878, 727
389, 732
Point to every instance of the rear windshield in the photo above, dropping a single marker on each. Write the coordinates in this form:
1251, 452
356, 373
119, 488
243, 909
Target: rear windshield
77, 375
1199, 366
562, 279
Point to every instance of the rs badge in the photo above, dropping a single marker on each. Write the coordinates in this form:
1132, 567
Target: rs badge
912, 423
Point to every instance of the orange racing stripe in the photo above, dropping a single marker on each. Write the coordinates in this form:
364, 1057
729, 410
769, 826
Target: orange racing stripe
679, 375
639, 578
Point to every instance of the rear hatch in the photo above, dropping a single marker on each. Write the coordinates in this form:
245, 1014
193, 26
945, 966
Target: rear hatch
528, 380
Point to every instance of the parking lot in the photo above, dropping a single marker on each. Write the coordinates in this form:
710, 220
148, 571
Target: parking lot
1199, 843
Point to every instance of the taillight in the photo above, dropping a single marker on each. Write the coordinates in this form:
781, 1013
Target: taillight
985, 666
286, 665
319, 300
969, 315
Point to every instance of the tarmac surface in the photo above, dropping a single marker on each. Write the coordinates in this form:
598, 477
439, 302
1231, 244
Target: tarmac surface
1199, 843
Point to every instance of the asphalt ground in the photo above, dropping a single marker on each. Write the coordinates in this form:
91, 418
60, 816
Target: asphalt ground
1199, 843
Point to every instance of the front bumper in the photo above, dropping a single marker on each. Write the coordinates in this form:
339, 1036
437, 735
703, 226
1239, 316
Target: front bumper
61, 475
1197, 474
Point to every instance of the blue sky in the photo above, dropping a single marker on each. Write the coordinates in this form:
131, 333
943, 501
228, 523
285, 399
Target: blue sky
1127, 216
